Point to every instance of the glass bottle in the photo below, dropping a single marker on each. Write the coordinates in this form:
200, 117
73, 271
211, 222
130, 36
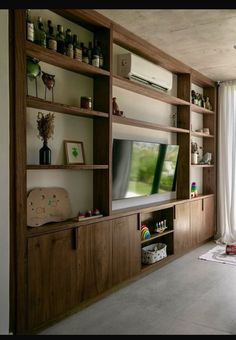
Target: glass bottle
29, 27
77, 48
100, 55
40, 34
45, 154
90, 51
95, 55
60, 39
69, 44
85, 58
51, 39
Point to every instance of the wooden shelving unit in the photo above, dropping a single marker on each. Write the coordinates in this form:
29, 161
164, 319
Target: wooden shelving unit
155, 236
42, 104
146, 125
199, 109
67, 167
201, 134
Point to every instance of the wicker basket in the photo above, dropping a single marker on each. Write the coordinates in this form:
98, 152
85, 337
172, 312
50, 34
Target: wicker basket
153, 253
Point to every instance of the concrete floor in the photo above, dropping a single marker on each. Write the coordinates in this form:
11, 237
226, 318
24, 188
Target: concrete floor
187, 296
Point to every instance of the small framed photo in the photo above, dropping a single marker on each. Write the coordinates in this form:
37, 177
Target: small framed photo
74, 152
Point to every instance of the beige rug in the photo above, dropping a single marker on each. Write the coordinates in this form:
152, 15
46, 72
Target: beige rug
217, 254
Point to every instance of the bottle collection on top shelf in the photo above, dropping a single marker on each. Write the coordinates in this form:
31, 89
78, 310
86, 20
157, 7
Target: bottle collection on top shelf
66, 44
200, 100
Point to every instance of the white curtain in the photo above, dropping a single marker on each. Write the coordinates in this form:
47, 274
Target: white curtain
226, 221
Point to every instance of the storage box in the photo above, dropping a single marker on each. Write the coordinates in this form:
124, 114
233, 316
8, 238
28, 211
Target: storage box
153, 253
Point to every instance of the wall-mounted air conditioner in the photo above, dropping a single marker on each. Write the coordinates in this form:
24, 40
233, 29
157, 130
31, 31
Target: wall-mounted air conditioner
136, 68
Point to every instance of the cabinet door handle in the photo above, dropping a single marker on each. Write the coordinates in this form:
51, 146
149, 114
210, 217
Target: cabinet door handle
138, 222
174, 213
203, 205
74, 238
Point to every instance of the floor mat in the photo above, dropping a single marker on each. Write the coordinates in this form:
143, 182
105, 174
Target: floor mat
217, 254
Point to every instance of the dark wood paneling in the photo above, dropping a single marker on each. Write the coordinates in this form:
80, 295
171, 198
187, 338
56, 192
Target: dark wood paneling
67, 167
209, 180
183, 117
54, 284
182, 228
147, 91
209, 219
126, 253
20, 168
103, 36
211, 93
95, 258
196, 218
183, 169
184, 86
201, 80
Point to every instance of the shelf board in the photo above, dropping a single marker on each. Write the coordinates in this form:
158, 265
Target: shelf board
158, 264
201, 134
202, 165
147, 125
67, 167
42, 104
60, 60
157, 235
199, 109
147, 91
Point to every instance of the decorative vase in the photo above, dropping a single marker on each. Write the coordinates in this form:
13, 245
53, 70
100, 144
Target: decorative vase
45, 154
194, 158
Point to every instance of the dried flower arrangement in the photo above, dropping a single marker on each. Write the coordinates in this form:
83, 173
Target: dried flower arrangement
45, 125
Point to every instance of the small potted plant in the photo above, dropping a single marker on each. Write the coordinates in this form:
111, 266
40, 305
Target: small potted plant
45, 124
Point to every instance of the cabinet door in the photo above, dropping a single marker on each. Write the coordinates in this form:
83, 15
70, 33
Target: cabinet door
95, 258
126, 248
208, 226
196, 220
53, 272
182, 228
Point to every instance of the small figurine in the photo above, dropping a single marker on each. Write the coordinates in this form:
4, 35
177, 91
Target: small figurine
115, 108
208, 104
96, 212
49, 82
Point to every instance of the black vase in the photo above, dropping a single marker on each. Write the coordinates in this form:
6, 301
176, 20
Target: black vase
45, 154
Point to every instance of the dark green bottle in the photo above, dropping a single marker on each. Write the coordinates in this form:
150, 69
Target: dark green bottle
60, 39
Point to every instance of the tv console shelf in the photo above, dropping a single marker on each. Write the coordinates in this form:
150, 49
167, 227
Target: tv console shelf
62, 256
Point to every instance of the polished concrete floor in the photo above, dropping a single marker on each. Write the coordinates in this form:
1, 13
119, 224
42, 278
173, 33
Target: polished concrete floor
187, 296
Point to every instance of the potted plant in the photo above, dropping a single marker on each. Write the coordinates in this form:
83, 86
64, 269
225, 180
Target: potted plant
45, 124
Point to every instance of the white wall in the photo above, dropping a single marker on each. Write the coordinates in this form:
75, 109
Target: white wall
4, 178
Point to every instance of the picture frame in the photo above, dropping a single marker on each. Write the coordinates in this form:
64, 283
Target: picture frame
74, 152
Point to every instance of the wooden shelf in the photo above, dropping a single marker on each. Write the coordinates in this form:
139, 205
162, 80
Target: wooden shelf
201, 134
199, 109
60, 60
157, 235
147, 91
202, 165
147, 125
67, 167
42, 104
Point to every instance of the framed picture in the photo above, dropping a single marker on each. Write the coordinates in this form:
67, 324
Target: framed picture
74, 152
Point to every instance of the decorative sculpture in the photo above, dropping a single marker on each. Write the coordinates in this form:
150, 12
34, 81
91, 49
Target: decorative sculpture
115, 108
49, 82
33, 72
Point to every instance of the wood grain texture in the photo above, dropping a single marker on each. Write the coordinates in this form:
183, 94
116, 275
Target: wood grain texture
155, 236
183, 117
183, 168
42, 104
125, 249
201, 80
147, 91
184, 87
54, 283
19, 169
146, 125
63, 61
182, 228
201, 134
196, 220
209, 219
199, 109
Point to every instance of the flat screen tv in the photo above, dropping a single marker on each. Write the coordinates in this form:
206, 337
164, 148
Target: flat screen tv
142, 168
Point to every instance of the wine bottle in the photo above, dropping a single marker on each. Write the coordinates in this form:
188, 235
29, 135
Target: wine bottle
77, 48
51, 39
95, 55
69, 44
60, 39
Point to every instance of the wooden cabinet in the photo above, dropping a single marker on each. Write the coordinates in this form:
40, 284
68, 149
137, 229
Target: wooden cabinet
126, 255
54, 273
182, 228
196, 218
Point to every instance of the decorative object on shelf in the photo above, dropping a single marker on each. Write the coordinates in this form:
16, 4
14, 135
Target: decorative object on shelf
115, 108
74, 152
45, 205
199, 130
45, 124
49, 82
194, 153
194, 191
160, 227
89, 214
174, 119
145, 233
207, 158
153, 253
208, 104
33, 70
86, 103
206, 131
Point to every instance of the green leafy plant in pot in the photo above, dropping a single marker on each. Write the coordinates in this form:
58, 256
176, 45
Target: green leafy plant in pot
45, 124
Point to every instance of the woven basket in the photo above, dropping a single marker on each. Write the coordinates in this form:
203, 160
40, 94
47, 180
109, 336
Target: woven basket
150, 255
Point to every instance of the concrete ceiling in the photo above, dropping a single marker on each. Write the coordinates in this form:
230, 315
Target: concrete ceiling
202, 39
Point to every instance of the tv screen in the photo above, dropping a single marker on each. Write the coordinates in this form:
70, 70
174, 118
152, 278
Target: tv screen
142, 168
